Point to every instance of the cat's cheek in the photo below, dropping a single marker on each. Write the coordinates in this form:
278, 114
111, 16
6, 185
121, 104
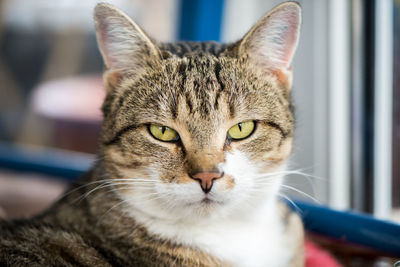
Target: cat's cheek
268, 160
236, 164
239, 171
226, 184
252, 177
278, 156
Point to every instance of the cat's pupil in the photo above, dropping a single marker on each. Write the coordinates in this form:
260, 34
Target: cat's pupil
163, 128
240, 126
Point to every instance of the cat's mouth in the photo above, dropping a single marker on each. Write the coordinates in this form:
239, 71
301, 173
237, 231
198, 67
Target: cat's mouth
205, 201
209, 201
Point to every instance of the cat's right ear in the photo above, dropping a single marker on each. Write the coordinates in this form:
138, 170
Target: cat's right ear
126, 49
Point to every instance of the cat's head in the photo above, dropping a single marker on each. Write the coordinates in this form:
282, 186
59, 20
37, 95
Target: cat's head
197, 130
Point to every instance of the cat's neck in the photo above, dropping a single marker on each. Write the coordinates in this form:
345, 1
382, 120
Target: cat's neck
244, 239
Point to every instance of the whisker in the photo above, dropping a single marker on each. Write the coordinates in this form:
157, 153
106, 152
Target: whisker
293, 174
287, 172
299, 172
74, 189
298, 210
267, 183
140, 187
311, 185
111, 191
300, 192
105, 185
110, 209
83, 196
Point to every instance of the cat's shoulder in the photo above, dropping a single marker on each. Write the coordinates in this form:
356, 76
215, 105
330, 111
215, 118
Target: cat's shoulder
294, 232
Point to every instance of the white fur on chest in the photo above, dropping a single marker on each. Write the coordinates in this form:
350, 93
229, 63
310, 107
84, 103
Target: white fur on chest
257, 241
244, 230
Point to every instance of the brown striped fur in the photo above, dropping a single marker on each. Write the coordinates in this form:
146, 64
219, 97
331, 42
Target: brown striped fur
198, 89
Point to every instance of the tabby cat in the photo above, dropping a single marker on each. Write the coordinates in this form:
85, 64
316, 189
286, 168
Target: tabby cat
193, 150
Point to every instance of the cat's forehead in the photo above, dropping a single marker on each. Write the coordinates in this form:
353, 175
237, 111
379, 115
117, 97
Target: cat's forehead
195, 87
201, 66
201, 93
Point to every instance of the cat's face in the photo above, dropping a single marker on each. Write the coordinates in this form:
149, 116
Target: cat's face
199, 135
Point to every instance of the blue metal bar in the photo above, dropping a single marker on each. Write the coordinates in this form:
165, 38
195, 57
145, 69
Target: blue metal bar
352, 227
64, 164
200, 20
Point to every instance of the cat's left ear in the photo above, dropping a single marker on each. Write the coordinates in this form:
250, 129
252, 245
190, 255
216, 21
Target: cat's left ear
271, 43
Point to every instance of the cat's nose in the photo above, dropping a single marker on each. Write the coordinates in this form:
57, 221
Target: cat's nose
206, 179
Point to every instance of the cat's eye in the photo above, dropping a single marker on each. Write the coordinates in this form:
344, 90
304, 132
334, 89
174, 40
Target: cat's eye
241, 130
163, 133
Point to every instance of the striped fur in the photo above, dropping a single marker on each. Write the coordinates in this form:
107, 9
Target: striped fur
139, 205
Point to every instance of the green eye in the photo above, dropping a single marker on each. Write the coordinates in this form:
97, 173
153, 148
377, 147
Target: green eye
241, 130
163, 133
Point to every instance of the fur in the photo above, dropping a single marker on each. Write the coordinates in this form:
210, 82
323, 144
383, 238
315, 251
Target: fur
140, 205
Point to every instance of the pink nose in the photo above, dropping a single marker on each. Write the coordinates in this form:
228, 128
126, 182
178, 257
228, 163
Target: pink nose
206, 179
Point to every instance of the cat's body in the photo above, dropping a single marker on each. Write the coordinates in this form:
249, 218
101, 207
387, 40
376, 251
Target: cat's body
89, 232
193, 151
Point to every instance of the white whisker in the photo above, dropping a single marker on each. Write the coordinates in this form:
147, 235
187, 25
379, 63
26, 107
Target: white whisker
298, 210
300, 192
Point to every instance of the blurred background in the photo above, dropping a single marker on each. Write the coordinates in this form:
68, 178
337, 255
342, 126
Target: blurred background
346, 90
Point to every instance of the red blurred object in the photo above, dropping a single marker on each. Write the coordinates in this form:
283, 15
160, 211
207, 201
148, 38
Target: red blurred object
72, 106
71, 99
317, 257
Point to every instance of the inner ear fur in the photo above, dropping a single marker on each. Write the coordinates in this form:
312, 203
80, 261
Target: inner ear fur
126, 49
270, 44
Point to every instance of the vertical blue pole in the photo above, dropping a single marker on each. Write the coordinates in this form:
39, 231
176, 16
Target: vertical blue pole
200, 20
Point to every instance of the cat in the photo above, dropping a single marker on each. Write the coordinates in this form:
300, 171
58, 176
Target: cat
195, 140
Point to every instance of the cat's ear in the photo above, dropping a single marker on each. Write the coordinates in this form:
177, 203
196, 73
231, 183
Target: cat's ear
271, 43
124, 46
